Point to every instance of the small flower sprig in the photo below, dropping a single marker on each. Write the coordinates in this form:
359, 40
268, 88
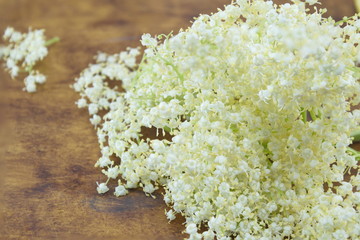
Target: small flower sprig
23, 51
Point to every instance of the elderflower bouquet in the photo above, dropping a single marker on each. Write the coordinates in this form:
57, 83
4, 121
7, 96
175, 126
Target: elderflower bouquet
23, 51
252, 106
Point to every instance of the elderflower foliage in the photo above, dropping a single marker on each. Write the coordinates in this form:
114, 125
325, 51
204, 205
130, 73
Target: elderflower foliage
236, 91
23, 51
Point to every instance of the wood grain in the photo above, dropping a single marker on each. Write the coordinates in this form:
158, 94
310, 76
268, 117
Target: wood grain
48, 147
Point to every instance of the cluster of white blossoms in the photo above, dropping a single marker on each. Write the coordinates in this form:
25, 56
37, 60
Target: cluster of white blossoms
256, 100
23, 51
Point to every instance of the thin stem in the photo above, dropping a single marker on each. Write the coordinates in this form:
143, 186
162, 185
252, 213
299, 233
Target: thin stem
355, 135
138, 71
180, 76
356, 70
52, 41
313, 115
344, 20
167, 129
304, 116
319, 114
107, 180
354, 153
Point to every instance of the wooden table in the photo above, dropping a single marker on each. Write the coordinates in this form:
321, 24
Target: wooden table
47, 145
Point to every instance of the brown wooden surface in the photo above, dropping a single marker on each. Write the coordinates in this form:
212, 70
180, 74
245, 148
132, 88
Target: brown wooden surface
48, 147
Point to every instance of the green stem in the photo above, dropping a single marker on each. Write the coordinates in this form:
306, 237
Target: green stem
107, 180
52, 41
180, 76
344, 20
304, 116
313, 115
138, 70
355, 135
353, 152
167, 129
356, 70
319, 114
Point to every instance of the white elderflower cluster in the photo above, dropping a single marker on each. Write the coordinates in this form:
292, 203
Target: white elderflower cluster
23, 51
256, 100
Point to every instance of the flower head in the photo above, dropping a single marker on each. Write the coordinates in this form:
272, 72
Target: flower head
254, 103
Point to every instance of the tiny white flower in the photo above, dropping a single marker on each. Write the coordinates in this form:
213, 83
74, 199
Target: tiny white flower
93, 108
95, 120
15, 37
81, 103
148, 41
340, 234
102, 188
30, 85
208, 235
265, 95
40, 78
191, 228
149, 188
113, 172
8, 32
104, 161
120, 191
170, 215
14, 71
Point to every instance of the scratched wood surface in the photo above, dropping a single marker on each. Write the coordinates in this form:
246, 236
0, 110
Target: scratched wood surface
47, 145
